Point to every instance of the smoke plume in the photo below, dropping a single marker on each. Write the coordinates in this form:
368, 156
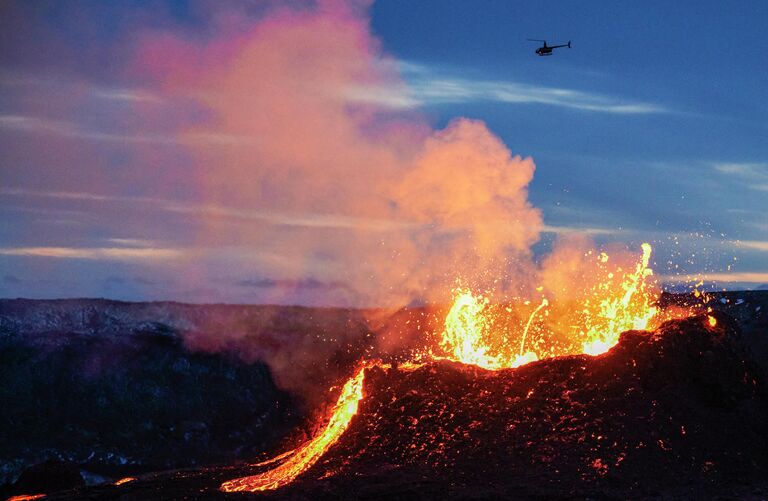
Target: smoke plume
307, 144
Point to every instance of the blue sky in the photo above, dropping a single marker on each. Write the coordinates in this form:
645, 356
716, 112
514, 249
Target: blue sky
651, 128
675, 141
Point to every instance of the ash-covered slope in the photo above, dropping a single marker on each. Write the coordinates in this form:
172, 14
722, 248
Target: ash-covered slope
678, 411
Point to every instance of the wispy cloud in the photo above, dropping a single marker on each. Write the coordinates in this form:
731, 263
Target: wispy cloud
428, 87
95, 253
752, 244
747, 169
66, 86
306, 283
32, 124
457, 90
132, 242
753, 174
128, 95
581, 230
308, 220
388, 97
753, 277
73, 195
336, 221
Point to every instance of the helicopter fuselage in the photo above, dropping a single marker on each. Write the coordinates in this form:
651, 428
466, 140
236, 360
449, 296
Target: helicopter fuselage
546, 50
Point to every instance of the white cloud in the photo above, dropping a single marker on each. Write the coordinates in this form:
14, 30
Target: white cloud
513, 92
427, 87
131, 242
755, 277
129, 95
95, 253
753, 174
388, 97
31, 124
71, 195
752, 244
67, 86
307, 220
564, 230
746, 169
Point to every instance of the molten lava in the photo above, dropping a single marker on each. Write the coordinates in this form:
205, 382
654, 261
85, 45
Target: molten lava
472, 336
308, 454
631, 309
468, 329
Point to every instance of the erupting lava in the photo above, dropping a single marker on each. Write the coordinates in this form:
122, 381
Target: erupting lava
470, 336
467, 332
632, 309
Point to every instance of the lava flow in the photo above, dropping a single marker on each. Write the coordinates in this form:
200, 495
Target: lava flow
305, 456
471, 337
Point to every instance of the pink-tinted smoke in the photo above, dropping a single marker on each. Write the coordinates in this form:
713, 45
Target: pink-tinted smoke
307, 147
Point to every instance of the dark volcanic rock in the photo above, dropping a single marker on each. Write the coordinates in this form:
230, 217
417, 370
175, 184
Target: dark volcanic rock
50, 476
679, 403
122, 387
138, 402
676, 412
307, 349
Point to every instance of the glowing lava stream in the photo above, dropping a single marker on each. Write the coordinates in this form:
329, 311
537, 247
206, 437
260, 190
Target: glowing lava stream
308, 454
465, 340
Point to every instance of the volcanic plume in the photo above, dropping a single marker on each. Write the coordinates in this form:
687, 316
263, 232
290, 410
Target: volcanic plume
316, 169
338, 183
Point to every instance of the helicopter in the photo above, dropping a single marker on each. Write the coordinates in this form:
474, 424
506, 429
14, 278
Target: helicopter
546, 50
